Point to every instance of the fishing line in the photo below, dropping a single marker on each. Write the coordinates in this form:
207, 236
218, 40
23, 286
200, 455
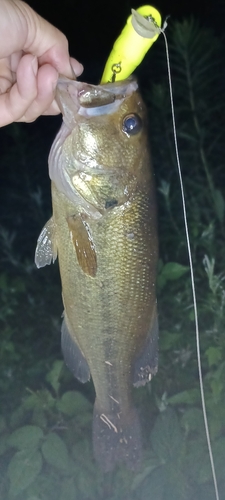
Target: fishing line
191, 271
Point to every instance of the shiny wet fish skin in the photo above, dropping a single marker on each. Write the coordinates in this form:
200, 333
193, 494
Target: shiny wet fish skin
104, 232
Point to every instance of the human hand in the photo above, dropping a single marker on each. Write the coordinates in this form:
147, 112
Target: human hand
32, 54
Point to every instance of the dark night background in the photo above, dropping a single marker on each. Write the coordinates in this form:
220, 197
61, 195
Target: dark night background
35, 387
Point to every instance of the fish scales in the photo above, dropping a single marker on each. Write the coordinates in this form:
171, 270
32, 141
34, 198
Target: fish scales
106, 242
115, 304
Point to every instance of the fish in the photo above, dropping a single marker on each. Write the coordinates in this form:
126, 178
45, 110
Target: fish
104, 232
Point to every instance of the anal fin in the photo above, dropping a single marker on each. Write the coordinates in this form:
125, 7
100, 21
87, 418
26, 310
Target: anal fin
73, 356
146, 364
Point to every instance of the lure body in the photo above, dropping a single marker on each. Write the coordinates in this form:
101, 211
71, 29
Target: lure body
134, 41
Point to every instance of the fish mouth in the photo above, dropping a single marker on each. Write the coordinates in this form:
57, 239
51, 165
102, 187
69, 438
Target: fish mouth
82, 98
102, 95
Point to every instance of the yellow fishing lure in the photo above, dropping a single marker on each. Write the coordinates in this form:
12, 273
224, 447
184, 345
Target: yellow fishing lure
141, 31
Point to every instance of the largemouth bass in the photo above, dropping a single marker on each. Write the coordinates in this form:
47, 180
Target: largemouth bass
103, 230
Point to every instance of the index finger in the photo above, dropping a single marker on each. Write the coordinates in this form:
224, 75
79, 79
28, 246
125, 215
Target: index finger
23, 29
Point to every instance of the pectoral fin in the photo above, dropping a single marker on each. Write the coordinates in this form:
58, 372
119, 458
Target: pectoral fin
146, 364
83, 244
46, 251
73, 356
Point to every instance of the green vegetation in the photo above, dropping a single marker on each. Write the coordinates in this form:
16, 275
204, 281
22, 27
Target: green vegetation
45, 415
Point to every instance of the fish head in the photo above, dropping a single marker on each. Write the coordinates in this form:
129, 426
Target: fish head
107, 122
103, 144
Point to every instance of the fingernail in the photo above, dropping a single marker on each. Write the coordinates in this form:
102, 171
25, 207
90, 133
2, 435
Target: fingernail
34, 64
77, 68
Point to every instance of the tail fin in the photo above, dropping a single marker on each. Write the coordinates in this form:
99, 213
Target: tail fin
116, 438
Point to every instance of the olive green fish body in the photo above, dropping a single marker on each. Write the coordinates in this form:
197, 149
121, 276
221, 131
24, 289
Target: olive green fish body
103, 230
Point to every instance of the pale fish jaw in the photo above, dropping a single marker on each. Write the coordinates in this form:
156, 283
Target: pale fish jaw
74, 97
58, 173
106, 109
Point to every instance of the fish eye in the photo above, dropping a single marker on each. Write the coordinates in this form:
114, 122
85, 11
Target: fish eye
132, 124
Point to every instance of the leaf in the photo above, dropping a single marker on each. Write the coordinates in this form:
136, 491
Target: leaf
2, 424
139, 478
164, 188
73, 402
40, 400
199, 462
122, 479
3, 444
177, 486
34, 498
166, 437
196, 451
154, 484
192, 420
32, 401
214, 355
39, 418
54, 375
185, 397
218, 448
23, 469
88, 475
69, 490
27, 436
17, 417
206, 492
55, 452
171, 272
169, 340
47, 486
217, 387
86, 483
205, 473
81, 449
